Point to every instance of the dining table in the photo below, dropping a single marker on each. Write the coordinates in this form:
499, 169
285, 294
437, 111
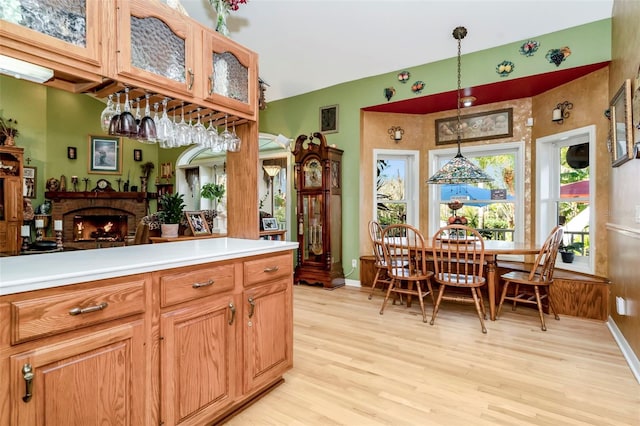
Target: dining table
493, 249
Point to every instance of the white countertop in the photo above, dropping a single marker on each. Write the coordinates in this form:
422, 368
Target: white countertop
35, 272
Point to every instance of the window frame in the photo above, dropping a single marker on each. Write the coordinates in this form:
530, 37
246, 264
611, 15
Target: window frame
412, 178
548, 191
516, 148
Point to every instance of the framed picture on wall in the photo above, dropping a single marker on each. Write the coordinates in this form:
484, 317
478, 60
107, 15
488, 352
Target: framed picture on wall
29, 182
105, 155
481, 126
137, 155
621, 126
72, 153
329, 119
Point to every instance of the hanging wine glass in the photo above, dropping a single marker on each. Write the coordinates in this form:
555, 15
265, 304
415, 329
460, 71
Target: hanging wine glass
107, 114
128, 126
199, 132
165, 126
183, 130
114, 124
147, 128
212, 136
234, 142
225, 136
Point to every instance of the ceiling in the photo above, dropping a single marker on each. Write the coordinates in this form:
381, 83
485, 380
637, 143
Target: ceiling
307, 45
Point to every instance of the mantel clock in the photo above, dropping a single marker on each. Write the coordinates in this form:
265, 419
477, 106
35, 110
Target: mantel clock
318, 180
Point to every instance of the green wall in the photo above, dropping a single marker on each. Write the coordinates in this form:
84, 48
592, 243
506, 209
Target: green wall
590, 43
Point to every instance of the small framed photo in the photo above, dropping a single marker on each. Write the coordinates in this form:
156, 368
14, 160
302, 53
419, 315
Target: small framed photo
72, 153
197, 223
329, 119
270, 224
105, 155
29, 182
137, 155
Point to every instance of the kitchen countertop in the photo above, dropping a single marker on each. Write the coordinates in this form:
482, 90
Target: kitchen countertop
25, 273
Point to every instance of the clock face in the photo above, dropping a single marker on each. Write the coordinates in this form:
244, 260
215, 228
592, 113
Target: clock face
312, 170
103, 184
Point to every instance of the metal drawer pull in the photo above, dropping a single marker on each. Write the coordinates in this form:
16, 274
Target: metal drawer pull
271, 269
252, 307
27, 374
78, 311
207, 284
233, 312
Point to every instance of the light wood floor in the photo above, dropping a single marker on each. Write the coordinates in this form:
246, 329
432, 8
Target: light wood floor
353, 366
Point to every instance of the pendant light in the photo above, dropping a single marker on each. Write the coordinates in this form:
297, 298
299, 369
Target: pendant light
459, 169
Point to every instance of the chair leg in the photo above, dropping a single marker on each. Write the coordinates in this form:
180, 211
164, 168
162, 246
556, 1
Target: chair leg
515, 297
433, 300
551, 305
419, 288
437, 305
504, 294
477, 302
484, 312
539, 303
375, 283
386, 297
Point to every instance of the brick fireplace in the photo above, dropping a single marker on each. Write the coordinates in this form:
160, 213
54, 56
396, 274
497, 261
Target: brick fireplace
97, 219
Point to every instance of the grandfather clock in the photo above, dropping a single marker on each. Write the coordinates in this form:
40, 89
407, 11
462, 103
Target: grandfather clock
318, 180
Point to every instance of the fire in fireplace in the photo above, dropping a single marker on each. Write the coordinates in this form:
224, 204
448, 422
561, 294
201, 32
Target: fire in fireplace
100, 227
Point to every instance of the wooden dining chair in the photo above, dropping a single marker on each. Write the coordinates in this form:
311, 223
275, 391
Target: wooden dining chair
458, 258
406, 258
381, 277
527, 285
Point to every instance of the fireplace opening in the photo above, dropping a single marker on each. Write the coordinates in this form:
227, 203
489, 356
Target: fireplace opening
100, 227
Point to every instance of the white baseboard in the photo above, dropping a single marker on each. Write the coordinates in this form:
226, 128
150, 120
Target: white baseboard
352, 283
627, 352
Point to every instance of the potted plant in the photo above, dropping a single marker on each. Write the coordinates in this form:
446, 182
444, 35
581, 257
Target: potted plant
212, 191
569, 251
170, 213
8, 131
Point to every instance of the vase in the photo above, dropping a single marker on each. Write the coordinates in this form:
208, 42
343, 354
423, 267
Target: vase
10, 141
222, 12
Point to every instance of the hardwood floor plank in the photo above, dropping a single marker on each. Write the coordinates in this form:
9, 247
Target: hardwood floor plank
353, 366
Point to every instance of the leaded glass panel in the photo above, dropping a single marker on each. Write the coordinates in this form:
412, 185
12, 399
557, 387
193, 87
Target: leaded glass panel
65, 20
230, 77
155, 48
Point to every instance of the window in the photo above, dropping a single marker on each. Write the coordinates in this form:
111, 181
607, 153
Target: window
494, 208
396, 187
565, 172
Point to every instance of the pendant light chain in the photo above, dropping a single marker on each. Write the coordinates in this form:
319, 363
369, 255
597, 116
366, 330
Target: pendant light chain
459, 37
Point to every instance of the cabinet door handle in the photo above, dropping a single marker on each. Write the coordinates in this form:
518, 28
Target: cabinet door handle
205, 284
252, 307
233, 312
211, 85
191, 78
27, 374
78, 311
271, 269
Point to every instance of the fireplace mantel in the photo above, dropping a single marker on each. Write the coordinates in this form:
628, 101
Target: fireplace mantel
111, 195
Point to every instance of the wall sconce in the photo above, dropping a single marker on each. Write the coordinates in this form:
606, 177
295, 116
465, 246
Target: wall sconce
561, 112
395, 133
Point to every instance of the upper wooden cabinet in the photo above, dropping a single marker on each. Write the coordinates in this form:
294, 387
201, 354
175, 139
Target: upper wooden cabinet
155, 48
11, 208
69, 40
231, 74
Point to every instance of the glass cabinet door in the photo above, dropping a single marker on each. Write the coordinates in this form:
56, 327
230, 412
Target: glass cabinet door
312, 226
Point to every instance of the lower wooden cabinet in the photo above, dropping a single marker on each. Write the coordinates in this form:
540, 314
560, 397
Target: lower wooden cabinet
96, 379
199, 355
172, 357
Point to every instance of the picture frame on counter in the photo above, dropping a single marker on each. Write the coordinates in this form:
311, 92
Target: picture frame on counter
269, 224
30, 183
622, 149
105, 154
197, 223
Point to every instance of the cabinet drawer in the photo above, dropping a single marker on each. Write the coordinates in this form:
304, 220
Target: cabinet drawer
268, 268
196, 283
70, 310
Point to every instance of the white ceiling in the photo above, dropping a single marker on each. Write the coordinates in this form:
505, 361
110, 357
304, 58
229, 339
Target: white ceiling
306, 45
